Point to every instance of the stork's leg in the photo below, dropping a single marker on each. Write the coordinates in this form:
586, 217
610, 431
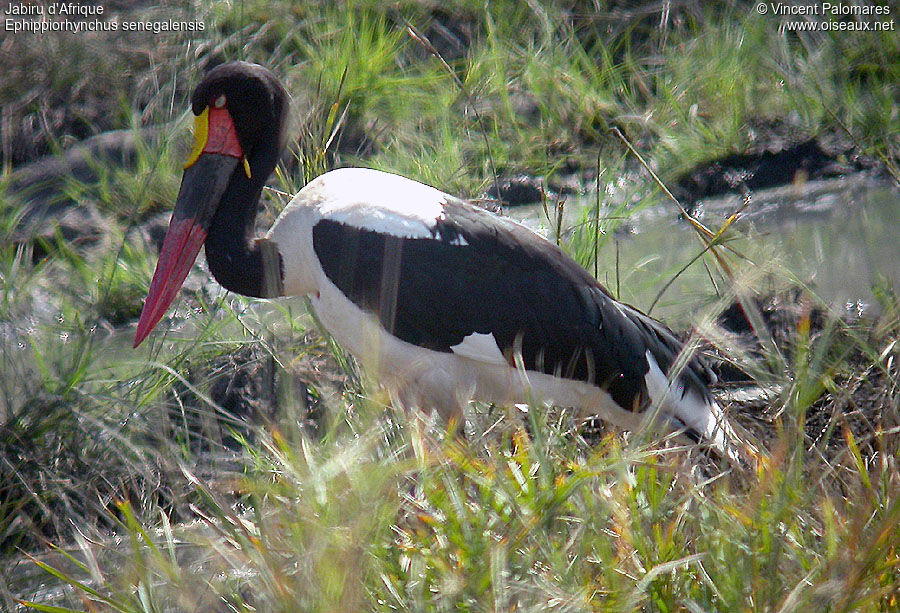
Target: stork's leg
426, 395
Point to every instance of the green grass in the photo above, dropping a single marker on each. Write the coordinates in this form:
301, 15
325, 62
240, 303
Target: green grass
187, 475
519, 520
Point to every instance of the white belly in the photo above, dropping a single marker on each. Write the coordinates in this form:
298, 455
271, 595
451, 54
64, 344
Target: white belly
422, 379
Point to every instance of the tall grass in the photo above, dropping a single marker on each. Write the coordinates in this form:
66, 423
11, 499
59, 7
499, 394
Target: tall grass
525, 519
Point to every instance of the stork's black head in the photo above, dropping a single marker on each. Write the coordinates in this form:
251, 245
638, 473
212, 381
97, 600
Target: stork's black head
257, 104
240, 118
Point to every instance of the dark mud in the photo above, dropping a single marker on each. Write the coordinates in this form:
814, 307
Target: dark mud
772, 160
841, 374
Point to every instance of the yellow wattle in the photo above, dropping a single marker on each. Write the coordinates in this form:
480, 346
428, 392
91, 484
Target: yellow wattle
201, 134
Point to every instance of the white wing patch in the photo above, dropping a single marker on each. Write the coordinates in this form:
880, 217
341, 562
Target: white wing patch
385, 222
379, 201
656, 381
480, 347
691, 409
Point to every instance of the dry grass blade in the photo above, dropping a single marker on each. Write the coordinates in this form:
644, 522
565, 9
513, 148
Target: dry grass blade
709, 238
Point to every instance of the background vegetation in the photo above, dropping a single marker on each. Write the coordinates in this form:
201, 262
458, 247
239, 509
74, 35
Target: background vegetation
239, 461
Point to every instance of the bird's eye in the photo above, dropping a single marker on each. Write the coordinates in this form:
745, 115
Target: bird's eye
220, 101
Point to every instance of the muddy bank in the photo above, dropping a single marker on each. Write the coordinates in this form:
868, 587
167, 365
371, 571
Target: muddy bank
771, 162
833, 373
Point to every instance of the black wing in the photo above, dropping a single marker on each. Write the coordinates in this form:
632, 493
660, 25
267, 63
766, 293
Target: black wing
482, 273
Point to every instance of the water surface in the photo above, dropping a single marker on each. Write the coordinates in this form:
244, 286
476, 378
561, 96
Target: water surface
839, 237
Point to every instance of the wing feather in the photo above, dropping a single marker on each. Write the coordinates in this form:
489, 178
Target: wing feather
481, 274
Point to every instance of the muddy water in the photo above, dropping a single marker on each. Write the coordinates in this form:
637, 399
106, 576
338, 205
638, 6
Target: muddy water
839, 238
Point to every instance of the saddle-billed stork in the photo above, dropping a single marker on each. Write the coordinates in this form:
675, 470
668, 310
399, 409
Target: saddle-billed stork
442, 301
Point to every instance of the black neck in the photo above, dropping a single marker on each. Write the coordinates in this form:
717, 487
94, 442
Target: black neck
238, 262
